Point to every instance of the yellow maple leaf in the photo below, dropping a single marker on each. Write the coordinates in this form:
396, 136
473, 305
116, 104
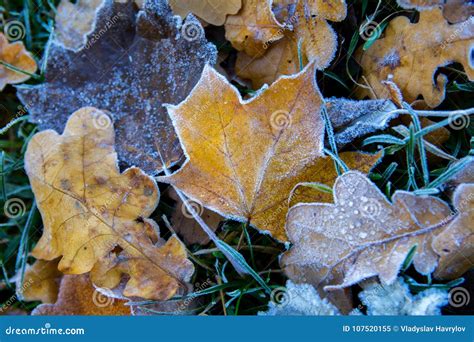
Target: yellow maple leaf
95, 217
245, 157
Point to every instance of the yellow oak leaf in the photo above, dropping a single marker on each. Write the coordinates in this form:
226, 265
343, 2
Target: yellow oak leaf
306, 32
454, 11
412, 52
40, 282
16, 55
75, 21
253, 27
245, 157
212, 11
77, 296
92, 213
455, 245
361, 235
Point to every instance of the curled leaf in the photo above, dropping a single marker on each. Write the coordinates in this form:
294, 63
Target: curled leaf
133, 62
103, 221
16, 55
412, 53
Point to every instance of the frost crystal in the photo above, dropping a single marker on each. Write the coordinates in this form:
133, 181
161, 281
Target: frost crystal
396, 299
133, 62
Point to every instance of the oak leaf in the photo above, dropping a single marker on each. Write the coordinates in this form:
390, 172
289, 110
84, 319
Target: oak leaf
305, 30
77, 296
454, 11
75, 21
133, 62
412, 53
16, 55
212, 11
245, 157
40, 282
361, 235
96, 218
455, 244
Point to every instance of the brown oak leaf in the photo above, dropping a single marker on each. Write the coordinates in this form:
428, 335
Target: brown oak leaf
454, 11
412, 53
77, 296
95, 217
212, 11
306, 30
455, 244
361, 235
133, 62
16, 55
245, 157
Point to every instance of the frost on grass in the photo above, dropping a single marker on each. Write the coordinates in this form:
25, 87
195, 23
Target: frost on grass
396, 300
299, 300
361, 235
132, 63
353, 119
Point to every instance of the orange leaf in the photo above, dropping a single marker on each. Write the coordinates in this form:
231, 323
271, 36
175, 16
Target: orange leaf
212, 11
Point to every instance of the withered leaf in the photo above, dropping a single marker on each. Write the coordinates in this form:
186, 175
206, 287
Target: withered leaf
133, 62
361, 235
95, 217
454, 11
212, 11
305, 24
75, 21
14, 54
77, 296
455, 244
245, 157
412, 52
40, 282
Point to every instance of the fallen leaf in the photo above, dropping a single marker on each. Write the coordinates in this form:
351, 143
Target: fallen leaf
412, 53
40, 282
186, 226
455, 244
361, 235
78, 297
16, 55
454, 11
94, 216
75, 21
133, 62
464, 175
245, 157
253, 27
212, 11
306, 30
353, 119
